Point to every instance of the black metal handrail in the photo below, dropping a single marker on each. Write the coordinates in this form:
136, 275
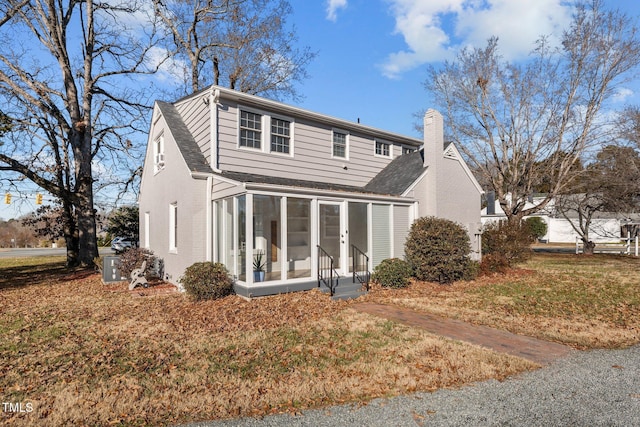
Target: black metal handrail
360, 267
325, 265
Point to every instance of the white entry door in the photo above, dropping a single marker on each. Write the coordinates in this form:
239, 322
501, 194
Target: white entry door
331, 233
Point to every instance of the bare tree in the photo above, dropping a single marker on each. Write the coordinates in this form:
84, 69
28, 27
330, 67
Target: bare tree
242, 44
71, 108
523, 125
610, 185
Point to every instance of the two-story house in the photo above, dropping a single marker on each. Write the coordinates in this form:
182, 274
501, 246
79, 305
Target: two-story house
230, 177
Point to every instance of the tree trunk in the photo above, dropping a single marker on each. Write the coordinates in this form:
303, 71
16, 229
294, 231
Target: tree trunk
589, 246
70, 231
87, 239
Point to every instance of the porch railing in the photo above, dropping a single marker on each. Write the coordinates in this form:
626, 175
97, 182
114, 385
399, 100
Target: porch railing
360, 267
327, 274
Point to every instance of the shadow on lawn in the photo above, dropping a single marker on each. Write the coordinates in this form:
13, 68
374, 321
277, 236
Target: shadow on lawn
46, 273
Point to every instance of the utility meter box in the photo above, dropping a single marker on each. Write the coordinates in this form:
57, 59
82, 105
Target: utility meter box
110, 271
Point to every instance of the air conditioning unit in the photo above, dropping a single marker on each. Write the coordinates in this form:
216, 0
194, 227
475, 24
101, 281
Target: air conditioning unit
160, 159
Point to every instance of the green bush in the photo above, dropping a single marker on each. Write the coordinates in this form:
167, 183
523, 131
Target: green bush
438, 250
537, 227
133, 258
207, 280
510, 241
493, 263
392, 273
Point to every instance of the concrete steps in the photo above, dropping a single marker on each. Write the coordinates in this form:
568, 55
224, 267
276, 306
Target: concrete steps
346, 289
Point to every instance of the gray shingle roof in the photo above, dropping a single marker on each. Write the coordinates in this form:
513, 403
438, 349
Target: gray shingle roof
392, 180
196, 162
398, 175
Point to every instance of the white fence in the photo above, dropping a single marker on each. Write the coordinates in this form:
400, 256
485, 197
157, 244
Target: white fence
629, 246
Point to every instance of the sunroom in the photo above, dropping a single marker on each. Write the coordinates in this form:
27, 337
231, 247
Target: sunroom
278, 237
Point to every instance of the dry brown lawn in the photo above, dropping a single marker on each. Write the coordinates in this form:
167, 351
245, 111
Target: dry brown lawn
82, 353
582, 301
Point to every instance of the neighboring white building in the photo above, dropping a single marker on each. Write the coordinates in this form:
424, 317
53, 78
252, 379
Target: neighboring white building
228, 176
605, 228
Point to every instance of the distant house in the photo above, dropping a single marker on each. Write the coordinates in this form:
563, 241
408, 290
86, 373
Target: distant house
230, 177
605, 227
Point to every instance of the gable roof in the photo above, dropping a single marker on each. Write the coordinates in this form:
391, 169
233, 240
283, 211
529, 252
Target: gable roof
398, 175
196, 162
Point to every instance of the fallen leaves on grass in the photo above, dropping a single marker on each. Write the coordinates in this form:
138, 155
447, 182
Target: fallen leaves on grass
83, 354
586, 302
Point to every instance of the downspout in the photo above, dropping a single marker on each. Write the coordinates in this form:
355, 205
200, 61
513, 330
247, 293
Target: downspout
209, 221
214, 97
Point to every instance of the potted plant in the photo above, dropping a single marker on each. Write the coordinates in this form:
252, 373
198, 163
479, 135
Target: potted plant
258, 266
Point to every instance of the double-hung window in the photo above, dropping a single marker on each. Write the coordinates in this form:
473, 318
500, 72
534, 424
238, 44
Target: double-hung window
339, 144
383, 149
250, 129
280, 135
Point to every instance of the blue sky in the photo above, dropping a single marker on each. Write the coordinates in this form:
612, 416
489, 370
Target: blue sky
373, 54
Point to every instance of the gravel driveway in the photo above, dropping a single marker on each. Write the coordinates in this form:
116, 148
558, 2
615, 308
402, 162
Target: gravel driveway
594, 388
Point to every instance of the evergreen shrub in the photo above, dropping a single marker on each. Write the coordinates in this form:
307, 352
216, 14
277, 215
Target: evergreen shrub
438, 250
207, 280
392, 273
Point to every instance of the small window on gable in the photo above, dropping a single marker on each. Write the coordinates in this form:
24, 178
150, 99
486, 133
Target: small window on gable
339, 144
250, 129
280, 135
383, 149
407, 150
158, 153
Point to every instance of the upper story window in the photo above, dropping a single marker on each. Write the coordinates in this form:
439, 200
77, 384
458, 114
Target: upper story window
407, 150
340, 144
280, 135
158, 153
250, 129
383, 149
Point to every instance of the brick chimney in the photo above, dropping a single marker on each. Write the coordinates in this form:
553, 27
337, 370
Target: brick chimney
433, 147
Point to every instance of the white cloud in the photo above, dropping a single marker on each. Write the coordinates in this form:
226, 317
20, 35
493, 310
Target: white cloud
332, 8
434, 30
622, 94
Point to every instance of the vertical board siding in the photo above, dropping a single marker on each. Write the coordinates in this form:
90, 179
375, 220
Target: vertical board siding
400, 229
381, 233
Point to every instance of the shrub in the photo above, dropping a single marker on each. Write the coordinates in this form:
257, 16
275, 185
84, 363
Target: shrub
438, 250
392, 273
207, 280
133, 258
493, 263
511, 241
537, 227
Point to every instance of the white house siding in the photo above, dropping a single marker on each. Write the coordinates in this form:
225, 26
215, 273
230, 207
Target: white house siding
401, 226
381, 233
312, 154
458, 199
176, 186
195, 114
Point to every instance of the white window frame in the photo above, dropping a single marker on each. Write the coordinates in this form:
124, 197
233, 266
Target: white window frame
290, 136
158, 153
407, 150
147, 229
265, 131
382, 143
346, 143
262, 128
173, 227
